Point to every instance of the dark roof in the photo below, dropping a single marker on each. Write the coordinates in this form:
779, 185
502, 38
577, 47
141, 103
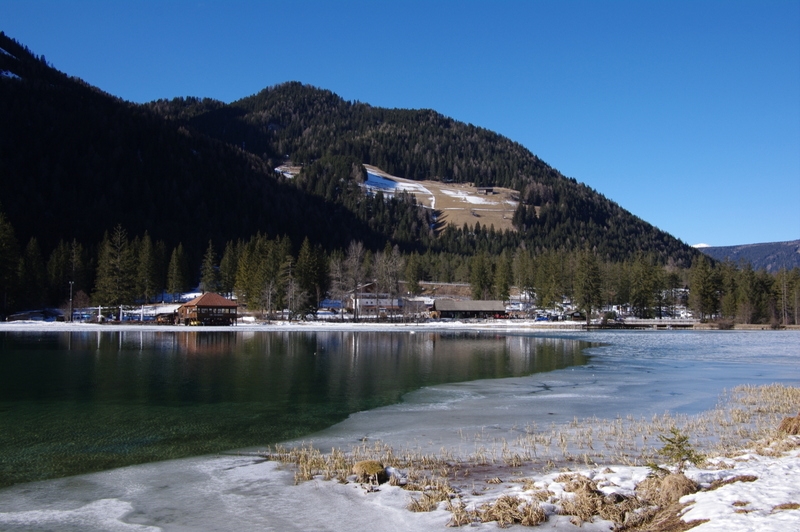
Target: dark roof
210, 299
452, 305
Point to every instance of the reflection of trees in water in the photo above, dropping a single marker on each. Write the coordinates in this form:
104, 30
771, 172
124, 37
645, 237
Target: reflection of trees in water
116, 398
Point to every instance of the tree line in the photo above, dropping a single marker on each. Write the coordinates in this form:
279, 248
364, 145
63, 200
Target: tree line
268, 273
76, 161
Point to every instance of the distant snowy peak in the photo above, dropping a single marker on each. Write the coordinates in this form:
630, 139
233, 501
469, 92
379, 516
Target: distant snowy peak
701, 245
770, 256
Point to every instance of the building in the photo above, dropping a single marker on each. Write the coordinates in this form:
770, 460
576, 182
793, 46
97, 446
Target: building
208, 309
451, 308
367, 303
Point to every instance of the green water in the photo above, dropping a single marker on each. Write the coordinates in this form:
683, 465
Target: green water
86, 401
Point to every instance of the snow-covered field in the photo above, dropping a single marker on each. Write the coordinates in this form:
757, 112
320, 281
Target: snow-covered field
468, 423
459, 203
247, 493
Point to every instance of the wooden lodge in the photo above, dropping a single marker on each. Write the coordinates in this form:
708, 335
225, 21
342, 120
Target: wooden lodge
208, 309
451, 308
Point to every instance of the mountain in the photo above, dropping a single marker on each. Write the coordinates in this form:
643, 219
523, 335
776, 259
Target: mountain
76, 161
771, 256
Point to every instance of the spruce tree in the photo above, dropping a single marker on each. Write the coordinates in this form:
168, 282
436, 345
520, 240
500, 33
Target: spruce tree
480, 277
703, 288
587, 283
9, 258
146, 287
32, 277
502, 277
413, 274
209, 272
227, 268
115, 270
177, 277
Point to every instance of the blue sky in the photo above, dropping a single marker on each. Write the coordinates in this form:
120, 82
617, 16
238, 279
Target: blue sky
686, 113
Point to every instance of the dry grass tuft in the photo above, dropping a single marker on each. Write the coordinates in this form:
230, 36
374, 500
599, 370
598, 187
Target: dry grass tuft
370, 471
664, 520
739, 478
786, 506
675, 486
746, 415
435, 492
667, 490
790, 425
586, 501
508, 510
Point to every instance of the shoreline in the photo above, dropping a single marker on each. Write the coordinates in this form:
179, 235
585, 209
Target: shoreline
279, 326
135, 497
748, 487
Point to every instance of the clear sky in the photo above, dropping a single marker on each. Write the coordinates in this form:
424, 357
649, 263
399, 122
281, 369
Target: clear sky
686, 113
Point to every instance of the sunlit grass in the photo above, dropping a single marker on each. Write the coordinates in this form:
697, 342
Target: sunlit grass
745, 416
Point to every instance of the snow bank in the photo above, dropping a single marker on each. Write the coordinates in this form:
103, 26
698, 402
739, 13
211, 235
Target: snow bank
758, 493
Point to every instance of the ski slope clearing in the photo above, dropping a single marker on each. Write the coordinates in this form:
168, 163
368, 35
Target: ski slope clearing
457, 203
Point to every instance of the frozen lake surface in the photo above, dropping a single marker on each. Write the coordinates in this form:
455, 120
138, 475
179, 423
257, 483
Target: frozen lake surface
633, 373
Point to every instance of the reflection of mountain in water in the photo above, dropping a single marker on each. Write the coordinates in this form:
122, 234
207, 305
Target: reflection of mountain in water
108, 399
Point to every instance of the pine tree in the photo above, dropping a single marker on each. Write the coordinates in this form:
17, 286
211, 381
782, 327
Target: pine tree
32, 277
58, 274
209, 272
413, 274
146, 287
588, 283
115, 270
480, 277
228, 265
502, 277
9, 258
522, 268
177, 276
645, 284
311, 274
703, 288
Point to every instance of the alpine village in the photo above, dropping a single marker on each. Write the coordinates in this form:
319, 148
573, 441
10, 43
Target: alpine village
294, 204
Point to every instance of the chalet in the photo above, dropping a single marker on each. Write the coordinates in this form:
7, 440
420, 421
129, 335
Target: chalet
208, 309
367, 302
451, 308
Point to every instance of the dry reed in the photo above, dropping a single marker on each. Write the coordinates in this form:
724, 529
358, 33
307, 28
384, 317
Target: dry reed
745, 415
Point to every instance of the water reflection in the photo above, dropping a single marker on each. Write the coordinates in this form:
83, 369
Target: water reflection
82, 401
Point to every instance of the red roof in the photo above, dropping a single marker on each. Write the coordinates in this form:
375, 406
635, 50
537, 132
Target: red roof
210, 299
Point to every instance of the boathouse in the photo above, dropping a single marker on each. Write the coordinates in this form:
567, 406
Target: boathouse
208, 309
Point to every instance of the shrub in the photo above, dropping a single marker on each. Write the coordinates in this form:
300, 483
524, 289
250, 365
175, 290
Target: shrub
678, 450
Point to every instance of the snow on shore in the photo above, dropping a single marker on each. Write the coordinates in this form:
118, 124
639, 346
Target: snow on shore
246, 493
757, 488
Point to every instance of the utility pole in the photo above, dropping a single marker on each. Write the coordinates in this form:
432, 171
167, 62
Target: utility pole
70, 300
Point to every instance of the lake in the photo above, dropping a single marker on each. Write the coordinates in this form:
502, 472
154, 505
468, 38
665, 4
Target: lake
75, 402
72, 400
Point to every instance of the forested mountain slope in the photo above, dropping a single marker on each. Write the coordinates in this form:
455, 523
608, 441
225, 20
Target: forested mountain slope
770, 256
75, 162
307, 124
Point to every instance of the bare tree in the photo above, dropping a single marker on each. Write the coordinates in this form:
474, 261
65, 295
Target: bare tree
337, 276
354, 272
